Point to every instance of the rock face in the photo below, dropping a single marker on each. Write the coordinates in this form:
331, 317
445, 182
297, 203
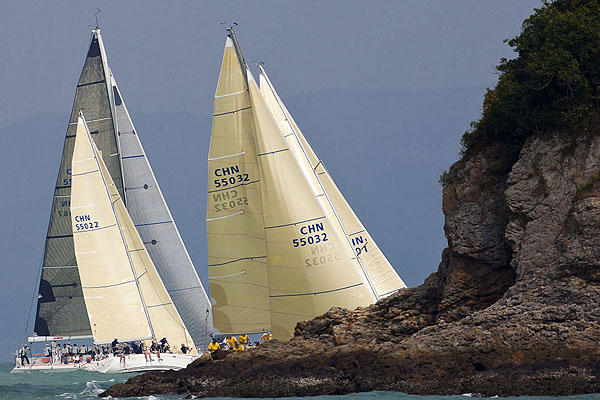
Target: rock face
512, 310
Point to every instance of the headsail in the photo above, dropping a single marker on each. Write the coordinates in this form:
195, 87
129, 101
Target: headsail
106, 245
61, 309
156, 227
234, 221
110, 288
310, 269
380, 274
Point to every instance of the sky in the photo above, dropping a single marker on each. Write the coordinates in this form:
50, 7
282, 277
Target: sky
383, 90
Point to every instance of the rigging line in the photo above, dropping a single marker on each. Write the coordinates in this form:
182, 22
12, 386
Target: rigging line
136, 156
232, 261
356, 233
393, 291
35, 295
294, 223
182, 289
317, 293
160, 305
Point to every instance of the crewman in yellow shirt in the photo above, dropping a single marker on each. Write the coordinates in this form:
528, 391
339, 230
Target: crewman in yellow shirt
266, 337
243, 342
232, 341
214, 345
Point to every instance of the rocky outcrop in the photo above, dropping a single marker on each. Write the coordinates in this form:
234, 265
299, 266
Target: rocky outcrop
512, 309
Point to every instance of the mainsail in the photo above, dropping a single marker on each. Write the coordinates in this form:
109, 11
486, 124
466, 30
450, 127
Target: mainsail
123, 292
156, 227
281, 223
382, 277
237, 267
61, 308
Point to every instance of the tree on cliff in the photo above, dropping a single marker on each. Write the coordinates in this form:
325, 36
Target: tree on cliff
553, 82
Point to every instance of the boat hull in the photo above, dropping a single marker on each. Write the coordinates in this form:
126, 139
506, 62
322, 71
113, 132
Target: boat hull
48, 368
138, 363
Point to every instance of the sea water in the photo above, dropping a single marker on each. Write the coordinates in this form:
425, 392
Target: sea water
88, 385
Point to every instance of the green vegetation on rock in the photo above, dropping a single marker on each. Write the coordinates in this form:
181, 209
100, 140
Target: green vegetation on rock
553, 83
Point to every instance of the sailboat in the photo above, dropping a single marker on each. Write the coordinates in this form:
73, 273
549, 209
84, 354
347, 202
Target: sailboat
124, 294
283, 243
61, 312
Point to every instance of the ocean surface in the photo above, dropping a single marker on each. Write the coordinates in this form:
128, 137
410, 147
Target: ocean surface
87, 385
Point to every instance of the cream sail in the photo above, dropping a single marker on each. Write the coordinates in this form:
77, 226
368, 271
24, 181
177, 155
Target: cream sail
310, 270
381, 276
279, 256
234, 221
105, 236
110, 290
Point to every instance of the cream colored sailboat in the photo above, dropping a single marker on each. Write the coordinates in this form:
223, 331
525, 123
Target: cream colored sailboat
281, 254
123, 292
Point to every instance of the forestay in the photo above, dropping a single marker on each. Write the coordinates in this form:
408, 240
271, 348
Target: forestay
234, 218
381, 276
157, 229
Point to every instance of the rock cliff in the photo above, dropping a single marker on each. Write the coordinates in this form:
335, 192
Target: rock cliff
512, 309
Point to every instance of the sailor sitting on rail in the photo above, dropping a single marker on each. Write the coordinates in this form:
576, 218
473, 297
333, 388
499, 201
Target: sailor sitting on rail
266, 337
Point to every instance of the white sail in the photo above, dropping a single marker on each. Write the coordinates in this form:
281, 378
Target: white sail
381, 276
111, 295
159, 312
156, 226
234, 221
310, 270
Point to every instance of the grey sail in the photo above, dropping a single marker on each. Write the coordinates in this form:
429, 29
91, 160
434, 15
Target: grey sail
61, 310
157, 229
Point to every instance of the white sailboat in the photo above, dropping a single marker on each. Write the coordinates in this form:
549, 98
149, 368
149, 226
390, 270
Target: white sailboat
61, 313
123, 292
282, 241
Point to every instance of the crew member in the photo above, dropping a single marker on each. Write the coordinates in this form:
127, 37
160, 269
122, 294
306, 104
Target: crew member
213, 346
232, 342
243, 342
266, 337
23, 354
184, 348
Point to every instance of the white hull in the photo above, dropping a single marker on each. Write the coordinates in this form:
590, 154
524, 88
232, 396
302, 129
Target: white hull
18, 369
138, 363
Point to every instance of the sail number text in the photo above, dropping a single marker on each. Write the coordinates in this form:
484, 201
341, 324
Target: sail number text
228, 200
231, 176
85, 222
313, 235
